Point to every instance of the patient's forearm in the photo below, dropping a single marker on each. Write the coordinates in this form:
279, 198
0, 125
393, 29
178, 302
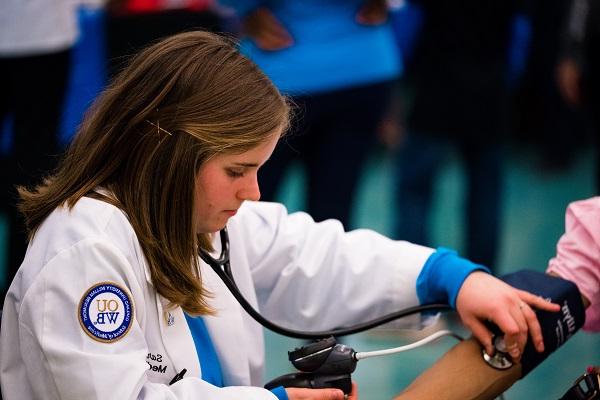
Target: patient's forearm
461, 374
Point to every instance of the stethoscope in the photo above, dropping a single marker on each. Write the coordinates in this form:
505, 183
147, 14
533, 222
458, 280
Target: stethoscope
222, 268
342, 357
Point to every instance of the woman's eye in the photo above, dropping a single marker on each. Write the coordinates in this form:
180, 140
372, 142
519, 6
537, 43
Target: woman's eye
235, 173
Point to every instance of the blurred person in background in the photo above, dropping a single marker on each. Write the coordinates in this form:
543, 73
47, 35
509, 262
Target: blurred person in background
458, 75
133, 24
36, 41
577, 73
336, 59
539, 116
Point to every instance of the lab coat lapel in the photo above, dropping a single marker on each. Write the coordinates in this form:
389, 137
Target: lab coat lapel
225, 329
177, 339
175, 333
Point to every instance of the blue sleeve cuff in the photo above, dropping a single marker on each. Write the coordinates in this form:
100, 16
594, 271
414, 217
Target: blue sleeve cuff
443, 275
280, 392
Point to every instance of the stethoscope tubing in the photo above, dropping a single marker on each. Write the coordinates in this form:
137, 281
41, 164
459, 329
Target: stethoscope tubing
222, 268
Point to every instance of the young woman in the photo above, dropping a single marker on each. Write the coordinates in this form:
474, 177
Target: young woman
112, 300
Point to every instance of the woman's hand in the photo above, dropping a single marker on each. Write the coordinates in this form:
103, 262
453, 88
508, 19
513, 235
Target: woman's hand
320, 394
483, 297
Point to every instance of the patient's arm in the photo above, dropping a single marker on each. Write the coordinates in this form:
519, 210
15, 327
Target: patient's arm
461, 374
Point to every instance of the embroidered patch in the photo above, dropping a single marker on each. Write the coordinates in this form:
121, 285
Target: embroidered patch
106, 312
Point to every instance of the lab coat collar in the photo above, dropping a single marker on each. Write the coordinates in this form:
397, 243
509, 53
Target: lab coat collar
224, 329
177, 339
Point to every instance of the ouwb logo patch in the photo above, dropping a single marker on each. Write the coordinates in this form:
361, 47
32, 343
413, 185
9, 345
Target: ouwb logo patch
106, 312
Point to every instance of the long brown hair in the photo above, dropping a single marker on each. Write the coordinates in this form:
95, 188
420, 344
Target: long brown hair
177, 104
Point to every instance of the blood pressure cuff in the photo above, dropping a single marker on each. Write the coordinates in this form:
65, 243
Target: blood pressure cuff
557, 327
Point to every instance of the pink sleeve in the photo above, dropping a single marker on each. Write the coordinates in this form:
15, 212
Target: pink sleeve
578, 255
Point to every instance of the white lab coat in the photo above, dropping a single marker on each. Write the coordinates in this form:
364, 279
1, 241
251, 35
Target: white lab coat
298, 273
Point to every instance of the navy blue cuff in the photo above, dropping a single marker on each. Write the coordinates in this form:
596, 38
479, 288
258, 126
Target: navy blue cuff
443, 275
280, 392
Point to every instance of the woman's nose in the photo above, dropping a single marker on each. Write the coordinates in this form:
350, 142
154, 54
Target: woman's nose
250, 191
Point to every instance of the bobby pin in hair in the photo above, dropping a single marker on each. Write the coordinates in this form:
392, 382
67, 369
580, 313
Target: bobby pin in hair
158, 128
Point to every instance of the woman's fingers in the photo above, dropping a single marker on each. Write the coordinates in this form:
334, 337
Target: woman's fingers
535, 330
515, 330
518, 314
315, 394
537, 301
481, 333
354, 394
531, 301
520, 323
485, 298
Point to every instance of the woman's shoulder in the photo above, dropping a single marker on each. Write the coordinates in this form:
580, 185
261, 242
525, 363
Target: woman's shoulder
93, 235
260, 208
256, 215
265, 222
89, 215
88, 219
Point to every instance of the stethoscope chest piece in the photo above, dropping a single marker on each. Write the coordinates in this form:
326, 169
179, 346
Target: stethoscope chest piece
500, 360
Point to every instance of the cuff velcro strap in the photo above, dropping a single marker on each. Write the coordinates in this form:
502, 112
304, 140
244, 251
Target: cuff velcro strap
557, 327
